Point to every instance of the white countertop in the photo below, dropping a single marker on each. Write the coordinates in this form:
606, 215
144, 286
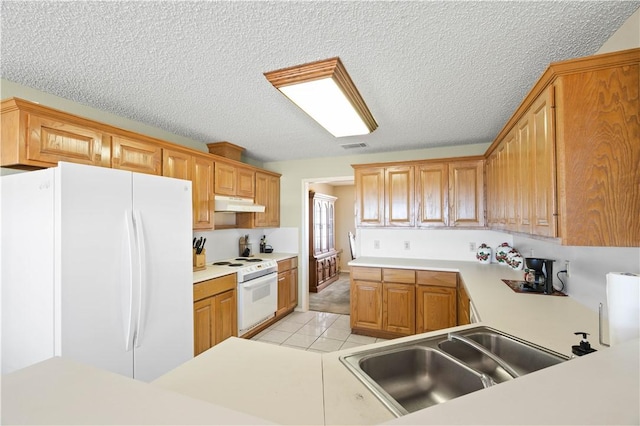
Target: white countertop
268, 381
64, 392
215, 271
290, 386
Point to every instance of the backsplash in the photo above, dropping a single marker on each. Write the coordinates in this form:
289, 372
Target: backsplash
445, 244
223, 244
588, 265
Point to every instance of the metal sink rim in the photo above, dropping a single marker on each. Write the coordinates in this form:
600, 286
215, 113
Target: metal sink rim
352, 360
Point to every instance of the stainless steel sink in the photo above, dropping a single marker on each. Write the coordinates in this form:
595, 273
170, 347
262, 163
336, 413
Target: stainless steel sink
418, 377
523, 357
409, 376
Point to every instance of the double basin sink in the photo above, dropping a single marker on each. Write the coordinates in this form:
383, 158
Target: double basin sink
414, 375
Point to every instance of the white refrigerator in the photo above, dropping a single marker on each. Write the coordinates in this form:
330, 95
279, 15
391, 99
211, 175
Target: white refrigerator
97, 267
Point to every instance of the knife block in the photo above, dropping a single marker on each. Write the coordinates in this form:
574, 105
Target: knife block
199, 260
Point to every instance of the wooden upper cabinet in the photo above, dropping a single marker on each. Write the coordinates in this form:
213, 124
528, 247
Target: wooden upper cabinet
226, 179
432, 193
598, 144
136, 156
176, 164
203, 192
543, 166
38, 139
466, 193
267, 195
198, 170
523, 176
577, 135
369, 196
246, 183
234, 181
399, 196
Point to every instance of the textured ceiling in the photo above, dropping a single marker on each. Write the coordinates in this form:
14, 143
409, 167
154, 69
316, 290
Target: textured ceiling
433, 73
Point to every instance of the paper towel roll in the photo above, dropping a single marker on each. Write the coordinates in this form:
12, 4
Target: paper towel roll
623, 301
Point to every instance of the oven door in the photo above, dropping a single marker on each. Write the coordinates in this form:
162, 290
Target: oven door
257, 301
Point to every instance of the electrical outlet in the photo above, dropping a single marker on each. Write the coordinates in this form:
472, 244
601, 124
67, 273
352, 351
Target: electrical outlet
376, 244
567, 267
407, 245
472, 246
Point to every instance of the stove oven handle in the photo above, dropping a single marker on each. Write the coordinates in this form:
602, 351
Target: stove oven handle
259, 282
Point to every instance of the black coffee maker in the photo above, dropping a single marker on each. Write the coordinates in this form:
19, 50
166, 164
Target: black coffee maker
542, 270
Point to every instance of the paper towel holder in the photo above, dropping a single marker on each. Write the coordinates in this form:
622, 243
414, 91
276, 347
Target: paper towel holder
600, 327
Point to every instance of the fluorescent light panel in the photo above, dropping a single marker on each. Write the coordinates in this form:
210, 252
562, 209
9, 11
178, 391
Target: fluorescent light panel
326, 93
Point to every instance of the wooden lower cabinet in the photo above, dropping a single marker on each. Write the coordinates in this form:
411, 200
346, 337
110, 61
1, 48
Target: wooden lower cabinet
436, 300
287, 286
398, 308
366, 305
215, 312
436, 308
389, 302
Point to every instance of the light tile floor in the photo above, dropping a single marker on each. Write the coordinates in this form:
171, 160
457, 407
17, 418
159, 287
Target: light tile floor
314, 331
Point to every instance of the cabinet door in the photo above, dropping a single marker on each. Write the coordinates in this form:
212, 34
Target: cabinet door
436, 308
398, 308
525, 182
399, 193
466, 193
283, 292
203, 320
245, 186
544, 182
226, 179
366, 304
369, 196
267, 194
176, 164
51, 141
432, 193
511, 184
226, 316
293, 288
136, 156
203, 193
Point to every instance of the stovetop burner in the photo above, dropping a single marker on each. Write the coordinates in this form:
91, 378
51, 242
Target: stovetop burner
248, 259
254, 260
222, 263
235, 264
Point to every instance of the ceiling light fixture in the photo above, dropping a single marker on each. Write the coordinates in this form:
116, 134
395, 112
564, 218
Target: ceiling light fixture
324, 90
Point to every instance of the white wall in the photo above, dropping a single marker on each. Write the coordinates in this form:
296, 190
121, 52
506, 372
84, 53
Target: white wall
345, 221
627, 36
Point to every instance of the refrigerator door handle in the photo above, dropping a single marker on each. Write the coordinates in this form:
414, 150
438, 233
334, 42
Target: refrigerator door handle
128, 280
142, 262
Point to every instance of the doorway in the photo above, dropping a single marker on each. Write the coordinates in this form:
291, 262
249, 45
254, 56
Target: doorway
333, 298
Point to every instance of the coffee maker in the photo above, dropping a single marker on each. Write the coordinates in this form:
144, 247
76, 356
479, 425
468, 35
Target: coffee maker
542, 270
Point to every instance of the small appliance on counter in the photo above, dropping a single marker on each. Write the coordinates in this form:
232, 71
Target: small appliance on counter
539, 279
246, 248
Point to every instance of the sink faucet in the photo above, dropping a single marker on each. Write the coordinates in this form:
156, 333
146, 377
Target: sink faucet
484, 351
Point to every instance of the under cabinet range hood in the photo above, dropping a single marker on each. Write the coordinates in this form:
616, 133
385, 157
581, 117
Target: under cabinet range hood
236, 205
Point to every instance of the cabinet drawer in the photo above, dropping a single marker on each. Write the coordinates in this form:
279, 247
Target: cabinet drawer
404, 276
367, 274
438, 278
287, 264
212, 287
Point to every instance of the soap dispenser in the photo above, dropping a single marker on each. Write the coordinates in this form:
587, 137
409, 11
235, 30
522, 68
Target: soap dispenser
584, 347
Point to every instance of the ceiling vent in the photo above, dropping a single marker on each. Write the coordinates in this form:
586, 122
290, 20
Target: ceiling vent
354, 145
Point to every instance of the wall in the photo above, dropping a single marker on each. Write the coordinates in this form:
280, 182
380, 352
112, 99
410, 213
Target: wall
9, 89
345, 221
627, 36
